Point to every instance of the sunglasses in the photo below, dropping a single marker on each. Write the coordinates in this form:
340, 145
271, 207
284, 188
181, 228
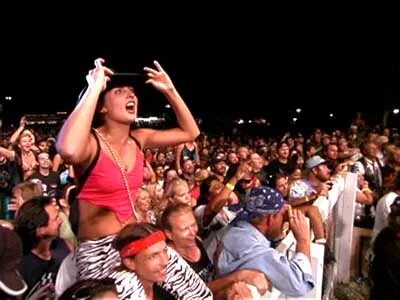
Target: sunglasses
246, 181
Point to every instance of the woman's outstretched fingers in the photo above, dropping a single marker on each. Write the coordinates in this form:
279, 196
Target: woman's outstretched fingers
158, 66
99, 62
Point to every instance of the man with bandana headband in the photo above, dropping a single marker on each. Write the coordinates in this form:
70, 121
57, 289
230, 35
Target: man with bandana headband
247, 243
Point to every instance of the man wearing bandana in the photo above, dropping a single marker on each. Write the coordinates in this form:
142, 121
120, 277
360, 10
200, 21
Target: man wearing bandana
247, 243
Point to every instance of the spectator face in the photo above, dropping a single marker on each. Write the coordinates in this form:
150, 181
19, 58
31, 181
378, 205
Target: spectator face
120, 103
317, 136
53, 227
220, 168
44, 160
183, 229
282, 186
371, 150
311, 151
326, 140
150, 265
161, 158
232, 158
146, 174
25, 143
171, 175
43, 146
182, 194
322, 173
276, 224
169, 157
246, 182
342, 144
143, 200
256, 161
243, 153
188, 167
290, 142
283, 151
159, 171
296, 174
332, 152
386, 132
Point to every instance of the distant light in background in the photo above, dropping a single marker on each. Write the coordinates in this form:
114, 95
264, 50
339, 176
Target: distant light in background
331, 115
294, 119
250, 121
167, 106
396, 111
298, 110
240, 121
8, 98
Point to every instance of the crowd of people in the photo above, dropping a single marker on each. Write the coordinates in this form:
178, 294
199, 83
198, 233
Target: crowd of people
107, 211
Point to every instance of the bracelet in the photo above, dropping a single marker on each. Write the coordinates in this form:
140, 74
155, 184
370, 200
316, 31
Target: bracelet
366, 190
230, 186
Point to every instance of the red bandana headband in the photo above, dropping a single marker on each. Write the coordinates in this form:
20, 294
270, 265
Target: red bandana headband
142, 244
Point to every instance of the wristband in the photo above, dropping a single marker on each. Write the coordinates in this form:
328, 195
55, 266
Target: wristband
230, 186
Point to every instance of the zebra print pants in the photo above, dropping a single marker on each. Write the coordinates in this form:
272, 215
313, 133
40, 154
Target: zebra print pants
97, 259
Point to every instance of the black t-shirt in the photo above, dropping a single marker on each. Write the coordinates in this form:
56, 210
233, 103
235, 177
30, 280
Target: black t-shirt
38, 272
204, 268
276, 167
9, 176
50, 183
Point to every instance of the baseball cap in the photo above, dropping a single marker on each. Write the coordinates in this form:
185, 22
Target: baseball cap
314, 161
11, 282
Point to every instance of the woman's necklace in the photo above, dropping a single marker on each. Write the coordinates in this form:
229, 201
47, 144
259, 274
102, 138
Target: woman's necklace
122, 169
113, 152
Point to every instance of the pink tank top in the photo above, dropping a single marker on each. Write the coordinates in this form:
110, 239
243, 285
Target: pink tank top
104, 186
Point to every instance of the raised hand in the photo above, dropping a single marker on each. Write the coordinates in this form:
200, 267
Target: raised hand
159, 78
22, 122
243, 170
98, 77
298, 224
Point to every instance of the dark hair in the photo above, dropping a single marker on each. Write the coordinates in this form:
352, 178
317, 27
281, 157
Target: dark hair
273, 179
133, 232
89, 289
205, 190
98, 118
31, 215
282, 144
179, 207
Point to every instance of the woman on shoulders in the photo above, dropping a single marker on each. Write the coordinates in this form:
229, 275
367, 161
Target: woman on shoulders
108, 159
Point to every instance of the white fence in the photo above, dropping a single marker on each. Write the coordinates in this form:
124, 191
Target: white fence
340, 217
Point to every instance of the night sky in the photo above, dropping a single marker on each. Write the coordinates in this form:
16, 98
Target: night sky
224, 70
